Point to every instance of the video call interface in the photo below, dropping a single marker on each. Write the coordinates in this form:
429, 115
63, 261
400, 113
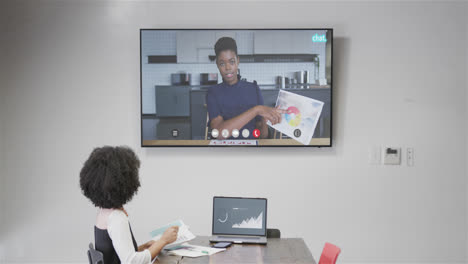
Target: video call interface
260, 87
239, 216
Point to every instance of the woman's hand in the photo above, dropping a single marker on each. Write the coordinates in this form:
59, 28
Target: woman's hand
146, 245
270, 113
170, 235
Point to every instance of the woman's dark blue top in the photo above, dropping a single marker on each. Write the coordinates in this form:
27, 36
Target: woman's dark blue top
230, 101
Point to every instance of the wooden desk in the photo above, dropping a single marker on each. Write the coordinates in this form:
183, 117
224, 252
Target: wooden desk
277, 251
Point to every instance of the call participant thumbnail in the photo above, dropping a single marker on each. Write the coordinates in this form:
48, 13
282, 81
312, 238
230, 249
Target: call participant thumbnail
235, 103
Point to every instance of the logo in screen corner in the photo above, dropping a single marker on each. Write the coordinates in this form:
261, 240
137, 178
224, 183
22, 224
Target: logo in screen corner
317, 38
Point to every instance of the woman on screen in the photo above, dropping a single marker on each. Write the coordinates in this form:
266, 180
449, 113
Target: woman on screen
235, 103
109, 178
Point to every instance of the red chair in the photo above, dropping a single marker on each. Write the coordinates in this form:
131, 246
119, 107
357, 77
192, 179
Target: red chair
329, 254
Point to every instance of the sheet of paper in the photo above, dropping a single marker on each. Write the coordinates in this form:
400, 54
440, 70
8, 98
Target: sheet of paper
183, 235
301, 118
193, 251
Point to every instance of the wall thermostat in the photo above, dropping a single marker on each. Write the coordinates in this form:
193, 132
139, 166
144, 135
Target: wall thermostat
392, 156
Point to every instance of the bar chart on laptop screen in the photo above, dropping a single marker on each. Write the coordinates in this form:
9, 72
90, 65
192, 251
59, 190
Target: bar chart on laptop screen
239, 216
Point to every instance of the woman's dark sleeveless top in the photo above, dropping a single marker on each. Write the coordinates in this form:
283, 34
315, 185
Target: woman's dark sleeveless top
103, 243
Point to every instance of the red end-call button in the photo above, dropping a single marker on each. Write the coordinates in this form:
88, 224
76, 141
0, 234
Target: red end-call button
256, 133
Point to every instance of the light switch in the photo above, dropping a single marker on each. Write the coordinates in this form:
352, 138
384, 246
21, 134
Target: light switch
410, 157
392, 156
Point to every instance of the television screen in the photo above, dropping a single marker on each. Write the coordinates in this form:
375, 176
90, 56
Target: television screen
236, 87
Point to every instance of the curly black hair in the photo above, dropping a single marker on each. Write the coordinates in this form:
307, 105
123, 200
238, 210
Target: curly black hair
225, 43
109, 178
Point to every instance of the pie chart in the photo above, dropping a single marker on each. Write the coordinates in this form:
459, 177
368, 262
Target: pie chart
293, 116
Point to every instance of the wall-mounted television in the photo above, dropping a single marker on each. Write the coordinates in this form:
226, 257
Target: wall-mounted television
236, 87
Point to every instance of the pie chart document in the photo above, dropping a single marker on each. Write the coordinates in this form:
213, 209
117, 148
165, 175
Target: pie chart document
301, 117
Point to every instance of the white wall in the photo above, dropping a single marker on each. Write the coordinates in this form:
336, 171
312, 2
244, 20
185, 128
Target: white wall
2, 175
73, 74
2, 183
2, 134
466, 109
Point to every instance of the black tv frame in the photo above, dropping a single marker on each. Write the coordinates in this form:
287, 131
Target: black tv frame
236, 146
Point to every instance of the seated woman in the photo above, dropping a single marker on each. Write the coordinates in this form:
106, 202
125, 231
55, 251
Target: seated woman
109, 178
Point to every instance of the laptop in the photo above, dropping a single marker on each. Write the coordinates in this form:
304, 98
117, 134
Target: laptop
239, 220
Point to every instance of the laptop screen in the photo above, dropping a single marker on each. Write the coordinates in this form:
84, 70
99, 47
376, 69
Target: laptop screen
239, 216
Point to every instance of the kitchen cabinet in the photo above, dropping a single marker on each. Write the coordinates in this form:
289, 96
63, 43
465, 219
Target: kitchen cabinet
224, 33
283, 42
149, 126
173, 129
159, 43
196, 46
173, 101
199, 113
191, 43
173, 112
